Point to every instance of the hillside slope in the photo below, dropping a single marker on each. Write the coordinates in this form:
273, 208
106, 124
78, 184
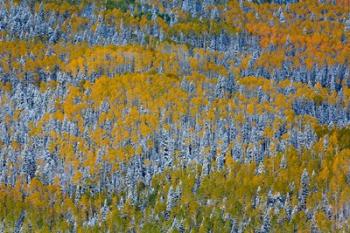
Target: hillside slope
174, 116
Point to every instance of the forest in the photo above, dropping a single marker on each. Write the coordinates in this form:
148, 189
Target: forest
174, 116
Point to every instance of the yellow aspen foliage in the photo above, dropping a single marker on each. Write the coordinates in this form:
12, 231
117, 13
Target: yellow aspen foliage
323, 222
15, 146
245, 62
77, 177
250, 109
